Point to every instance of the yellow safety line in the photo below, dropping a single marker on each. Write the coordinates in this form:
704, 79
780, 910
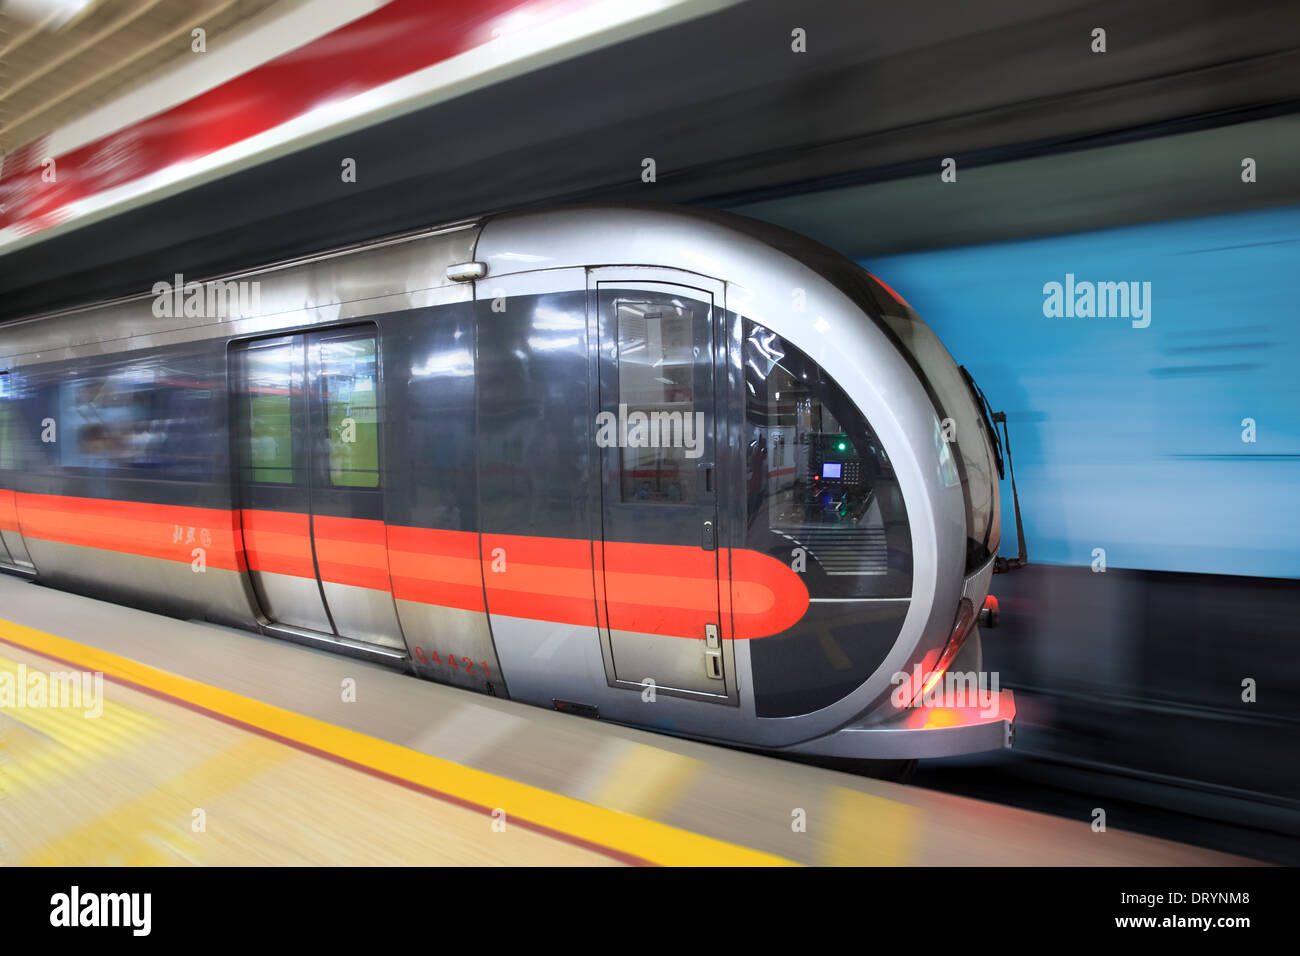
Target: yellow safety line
646, 780
146, 830
64, 742
622, 832
869, 830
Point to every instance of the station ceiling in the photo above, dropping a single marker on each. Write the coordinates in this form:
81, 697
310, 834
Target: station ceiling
61, 58
734, 118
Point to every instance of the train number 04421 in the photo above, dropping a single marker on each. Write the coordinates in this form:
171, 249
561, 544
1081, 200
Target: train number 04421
466, 664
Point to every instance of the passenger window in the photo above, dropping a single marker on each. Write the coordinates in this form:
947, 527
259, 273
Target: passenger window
349, 388
269, 418
659, 341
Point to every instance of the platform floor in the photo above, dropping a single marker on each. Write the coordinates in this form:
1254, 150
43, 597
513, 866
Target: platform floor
216, 746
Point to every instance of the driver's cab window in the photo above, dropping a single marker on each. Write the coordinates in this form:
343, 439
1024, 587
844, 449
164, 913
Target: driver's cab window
820, 488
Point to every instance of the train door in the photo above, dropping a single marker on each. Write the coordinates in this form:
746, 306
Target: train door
307, 416
657, 567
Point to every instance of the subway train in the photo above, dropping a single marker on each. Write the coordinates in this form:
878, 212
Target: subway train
668, 467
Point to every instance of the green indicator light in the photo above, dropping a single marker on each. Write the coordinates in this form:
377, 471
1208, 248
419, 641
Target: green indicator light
841, 446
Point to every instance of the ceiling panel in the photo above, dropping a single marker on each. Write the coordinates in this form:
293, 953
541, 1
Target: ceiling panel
59, 59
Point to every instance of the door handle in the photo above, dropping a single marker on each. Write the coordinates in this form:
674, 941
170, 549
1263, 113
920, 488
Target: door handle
712, 652
713, 664
707, 537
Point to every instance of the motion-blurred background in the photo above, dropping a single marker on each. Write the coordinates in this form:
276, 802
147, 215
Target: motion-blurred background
1128, 165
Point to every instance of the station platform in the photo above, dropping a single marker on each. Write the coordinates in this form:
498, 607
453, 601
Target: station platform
216, 746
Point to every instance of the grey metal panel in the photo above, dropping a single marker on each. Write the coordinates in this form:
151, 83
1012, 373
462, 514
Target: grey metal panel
17, 548
288, 599
363, 614
439, 632
171, 587
545, 661
372, 279
429, 365
672, 663
533, 458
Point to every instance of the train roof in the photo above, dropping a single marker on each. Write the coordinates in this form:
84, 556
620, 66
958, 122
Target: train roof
761, 263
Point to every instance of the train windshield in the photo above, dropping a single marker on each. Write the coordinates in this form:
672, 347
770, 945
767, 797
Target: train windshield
821, 497
963, 426
818, 479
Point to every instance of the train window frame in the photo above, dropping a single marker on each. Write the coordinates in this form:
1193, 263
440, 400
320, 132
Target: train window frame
702, 317
244, 471
313, 471
322, 401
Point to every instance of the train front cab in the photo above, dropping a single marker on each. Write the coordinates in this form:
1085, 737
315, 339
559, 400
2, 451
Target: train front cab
766, 579
949, 703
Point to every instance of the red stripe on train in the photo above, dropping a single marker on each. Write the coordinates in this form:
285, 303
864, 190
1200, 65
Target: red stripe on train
8, 511
646, 588
169, 532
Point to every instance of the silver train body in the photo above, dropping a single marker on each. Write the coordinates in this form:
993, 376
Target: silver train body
666, 467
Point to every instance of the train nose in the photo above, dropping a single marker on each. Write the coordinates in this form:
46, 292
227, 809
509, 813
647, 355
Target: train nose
947, 727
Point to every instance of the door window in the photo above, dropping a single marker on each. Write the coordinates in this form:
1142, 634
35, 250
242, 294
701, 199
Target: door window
268, 415
660, 430
348, 385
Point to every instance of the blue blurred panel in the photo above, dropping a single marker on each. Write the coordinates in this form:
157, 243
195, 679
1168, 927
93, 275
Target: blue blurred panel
1130, 439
